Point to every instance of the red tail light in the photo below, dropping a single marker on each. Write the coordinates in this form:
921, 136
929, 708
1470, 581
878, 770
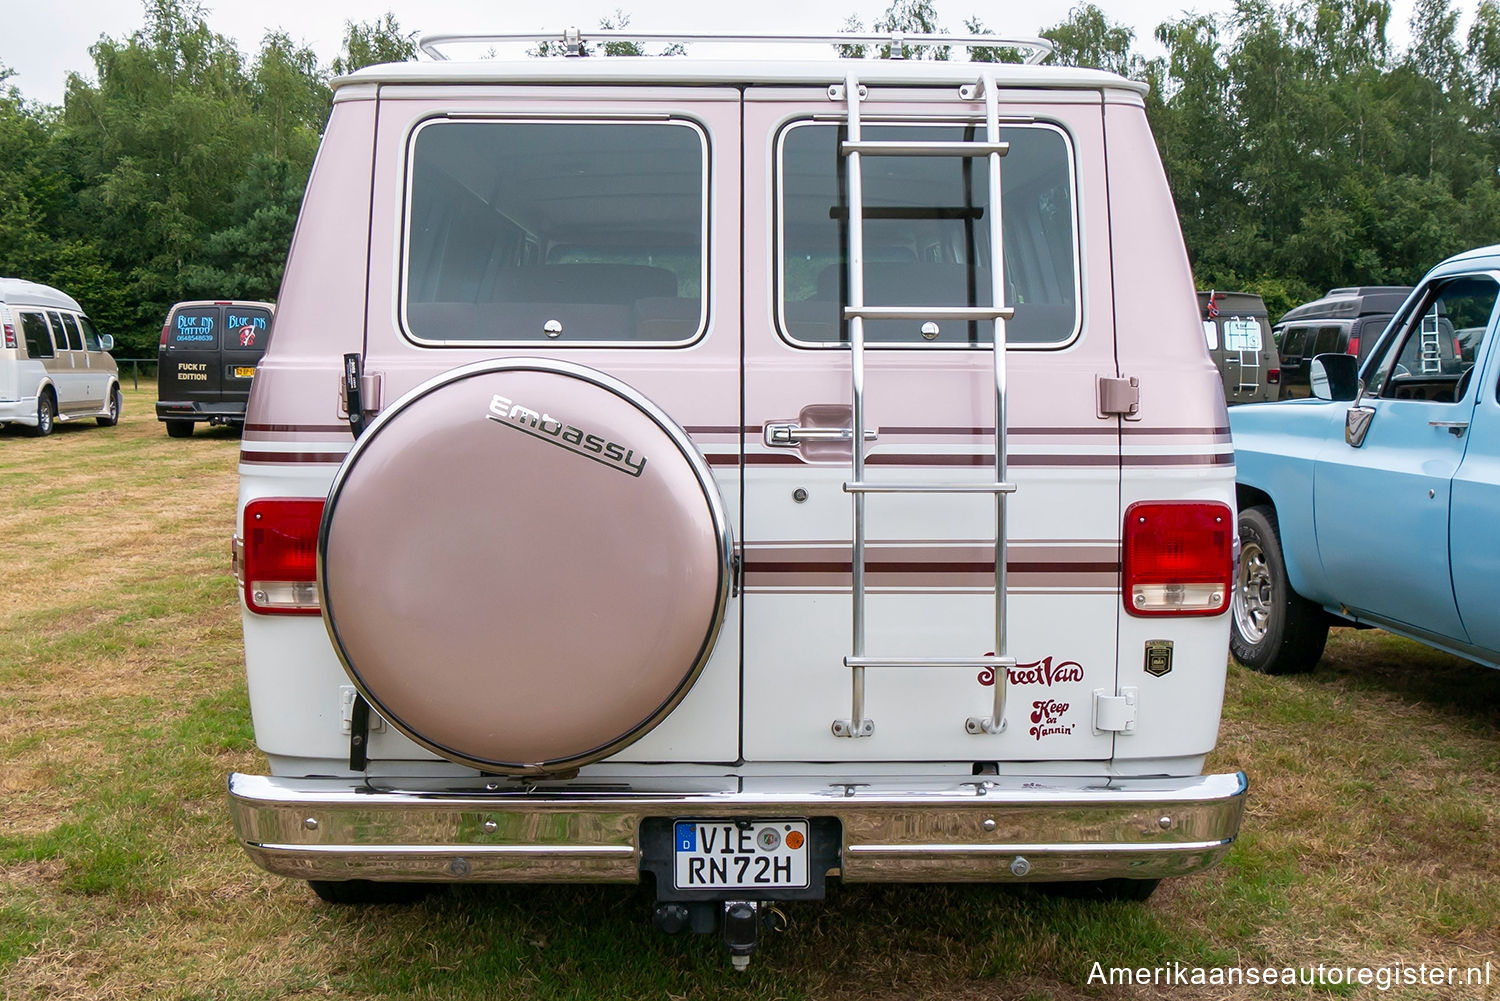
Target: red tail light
280, 567
1273, 376
1353, 347
1178, 557
10, 336
164, 330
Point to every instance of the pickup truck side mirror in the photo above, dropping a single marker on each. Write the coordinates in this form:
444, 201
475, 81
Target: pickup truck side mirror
1335, 377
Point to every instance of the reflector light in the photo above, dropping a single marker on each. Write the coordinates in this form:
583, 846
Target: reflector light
1178, 557
280, 561
10, 336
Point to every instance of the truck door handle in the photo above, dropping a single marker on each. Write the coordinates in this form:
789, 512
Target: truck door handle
788, 435
1455, 428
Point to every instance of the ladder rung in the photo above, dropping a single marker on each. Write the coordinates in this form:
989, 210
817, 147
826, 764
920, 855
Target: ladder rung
928, 312
929, 662
924, 148
929, 488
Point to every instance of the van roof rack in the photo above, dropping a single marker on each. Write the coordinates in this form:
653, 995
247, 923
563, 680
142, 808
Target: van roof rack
575, 42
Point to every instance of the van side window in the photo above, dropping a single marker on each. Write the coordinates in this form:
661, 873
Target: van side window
38, 340
1292, 348
70, 326
927, 234
90, 335
1431, 357
59, 336
559, 232
1327, 342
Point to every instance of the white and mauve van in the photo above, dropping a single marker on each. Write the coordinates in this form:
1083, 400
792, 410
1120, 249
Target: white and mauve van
54, 366
622, 495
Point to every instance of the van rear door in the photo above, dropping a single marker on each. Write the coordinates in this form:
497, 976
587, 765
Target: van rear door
190, 355
930, 400
246, 331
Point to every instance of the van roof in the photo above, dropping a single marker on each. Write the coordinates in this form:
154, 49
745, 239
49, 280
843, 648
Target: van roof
20, 292
1234, 302
1349, 303
730, 72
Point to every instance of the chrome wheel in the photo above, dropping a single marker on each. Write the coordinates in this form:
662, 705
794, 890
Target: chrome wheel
1254, 594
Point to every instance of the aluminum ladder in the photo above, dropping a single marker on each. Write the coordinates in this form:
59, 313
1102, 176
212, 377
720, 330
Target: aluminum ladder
1431, 350
854, 149
1249, 371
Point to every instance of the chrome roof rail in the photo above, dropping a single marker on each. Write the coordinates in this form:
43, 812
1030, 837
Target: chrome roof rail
575, 42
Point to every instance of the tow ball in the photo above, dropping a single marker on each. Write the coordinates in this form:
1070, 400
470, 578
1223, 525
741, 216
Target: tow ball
740, 920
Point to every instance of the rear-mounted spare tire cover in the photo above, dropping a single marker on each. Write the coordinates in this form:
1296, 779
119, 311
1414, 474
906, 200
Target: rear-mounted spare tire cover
524, 565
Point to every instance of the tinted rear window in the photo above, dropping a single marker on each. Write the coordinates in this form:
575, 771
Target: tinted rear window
38, 340
556, 231
926, 234
194, 328
248, 327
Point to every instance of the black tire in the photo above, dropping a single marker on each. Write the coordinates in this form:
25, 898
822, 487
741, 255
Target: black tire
46, 414
364, 891
1273, 629
179, 429
1103, 889
116, 407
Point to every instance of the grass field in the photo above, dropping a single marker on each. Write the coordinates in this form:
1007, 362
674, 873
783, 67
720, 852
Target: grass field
1371, 836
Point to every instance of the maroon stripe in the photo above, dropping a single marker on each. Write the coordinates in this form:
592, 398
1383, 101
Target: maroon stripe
716, 429
293, 428
1137, 429
292, 457
1221, 459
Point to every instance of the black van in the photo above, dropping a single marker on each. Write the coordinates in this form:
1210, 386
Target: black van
207, 360
1345, 321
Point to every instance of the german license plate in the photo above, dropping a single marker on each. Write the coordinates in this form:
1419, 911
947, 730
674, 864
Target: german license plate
244, 371
720, 854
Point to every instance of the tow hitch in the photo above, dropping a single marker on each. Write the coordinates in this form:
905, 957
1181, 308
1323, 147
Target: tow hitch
741, 920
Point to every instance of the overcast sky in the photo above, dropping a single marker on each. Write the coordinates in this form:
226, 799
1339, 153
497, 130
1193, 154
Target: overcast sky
44, 40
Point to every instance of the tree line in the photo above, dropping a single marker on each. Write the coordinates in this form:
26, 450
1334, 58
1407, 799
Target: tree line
1304, 151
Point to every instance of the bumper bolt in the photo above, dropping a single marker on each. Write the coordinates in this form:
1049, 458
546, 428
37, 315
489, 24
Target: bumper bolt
311, 823
1165, 822
459, 867
1020, 866
989, 825
490, 827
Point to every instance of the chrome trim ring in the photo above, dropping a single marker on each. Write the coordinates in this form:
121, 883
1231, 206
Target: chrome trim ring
1254, 594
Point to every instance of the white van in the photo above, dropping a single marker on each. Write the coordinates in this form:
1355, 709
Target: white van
54, 366
634, 492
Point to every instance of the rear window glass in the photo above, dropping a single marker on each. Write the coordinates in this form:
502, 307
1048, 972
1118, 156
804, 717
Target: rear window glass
565, 232
248, 327
194, 328
70, 325
38, 340
927, 234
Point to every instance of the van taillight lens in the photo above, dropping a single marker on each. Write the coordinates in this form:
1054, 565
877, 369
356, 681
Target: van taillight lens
1353, 347
1273, 376
1178, 558
280, 569
164, 330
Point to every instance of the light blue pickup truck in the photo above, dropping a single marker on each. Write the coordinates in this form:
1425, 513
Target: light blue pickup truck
1377, 501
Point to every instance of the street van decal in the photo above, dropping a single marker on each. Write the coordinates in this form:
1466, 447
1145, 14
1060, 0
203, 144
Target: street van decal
539, 424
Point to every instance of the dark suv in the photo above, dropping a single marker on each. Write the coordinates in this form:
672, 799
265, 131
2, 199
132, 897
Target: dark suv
207, 360
1345, 321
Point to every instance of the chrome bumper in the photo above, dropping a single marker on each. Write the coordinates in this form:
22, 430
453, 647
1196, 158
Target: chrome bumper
893, 830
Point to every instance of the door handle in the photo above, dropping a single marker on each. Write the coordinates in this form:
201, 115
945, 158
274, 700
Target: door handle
1455, 428
788, 435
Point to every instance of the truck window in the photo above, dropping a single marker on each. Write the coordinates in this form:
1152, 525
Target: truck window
1427, 360
927, 234
562, 232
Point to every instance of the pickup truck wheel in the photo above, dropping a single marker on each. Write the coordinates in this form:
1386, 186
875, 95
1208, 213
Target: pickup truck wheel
1273, 629
363, 891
